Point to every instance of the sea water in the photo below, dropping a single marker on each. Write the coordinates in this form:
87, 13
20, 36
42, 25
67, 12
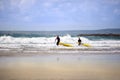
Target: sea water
46, 40
65, 66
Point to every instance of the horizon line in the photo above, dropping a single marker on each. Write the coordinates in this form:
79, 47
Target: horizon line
64, 30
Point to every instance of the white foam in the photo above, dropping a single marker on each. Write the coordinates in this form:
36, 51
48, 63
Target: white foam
13, 42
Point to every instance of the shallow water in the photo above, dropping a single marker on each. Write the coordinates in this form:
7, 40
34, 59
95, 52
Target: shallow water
61, 67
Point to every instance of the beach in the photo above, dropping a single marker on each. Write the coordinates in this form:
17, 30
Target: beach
59, 39
27, 57
55, 65
56, 51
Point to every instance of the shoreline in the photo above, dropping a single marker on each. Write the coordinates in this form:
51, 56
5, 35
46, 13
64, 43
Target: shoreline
59, 64
55, 51
107, 34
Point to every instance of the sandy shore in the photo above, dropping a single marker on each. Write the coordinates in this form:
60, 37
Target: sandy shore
55, 51
59, 63
53, 66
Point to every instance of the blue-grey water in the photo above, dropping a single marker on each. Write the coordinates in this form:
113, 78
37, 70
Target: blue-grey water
45, 40
73, 33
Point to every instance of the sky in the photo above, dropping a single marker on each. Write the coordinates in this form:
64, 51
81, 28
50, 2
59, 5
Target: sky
38, 15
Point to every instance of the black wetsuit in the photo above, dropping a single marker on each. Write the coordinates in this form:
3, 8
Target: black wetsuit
79, 41
58, 41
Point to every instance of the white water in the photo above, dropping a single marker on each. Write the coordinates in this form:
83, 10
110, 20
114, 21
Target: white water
45, 42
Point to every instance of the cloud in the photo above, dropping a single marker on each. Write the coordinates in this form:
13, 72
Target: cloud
22, 5
83, 12
112, 2
47, 4
104, 18
21, 10
1, 5
89, 6
27, 18
116, 11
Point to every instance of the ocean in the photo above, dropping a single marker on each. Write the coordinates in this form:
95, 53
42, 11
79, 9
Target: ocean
45, 40
34, 55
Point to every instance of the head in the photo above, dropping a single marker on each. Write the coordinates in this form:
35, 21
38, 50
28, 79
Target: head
57, 36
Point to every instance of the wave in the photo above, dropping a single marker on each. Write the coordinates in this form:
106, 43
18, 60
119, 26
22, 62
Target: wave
49, 42
10, 39
31, 34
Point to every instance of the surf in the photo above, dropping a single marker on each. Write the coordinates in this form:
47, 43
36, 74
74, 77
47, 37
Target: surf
48, 42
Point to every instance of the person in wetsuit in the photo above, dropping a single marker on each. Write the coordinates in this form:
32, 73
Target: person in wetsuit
79, 41
58, 40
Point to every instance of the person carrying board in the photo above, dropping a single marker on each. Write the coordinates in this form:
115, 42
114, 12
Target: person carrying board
79, 41
58, 40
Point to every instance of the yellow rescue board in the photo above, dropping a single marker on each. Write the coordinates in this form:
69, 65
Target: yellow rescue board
86, 45
64, 44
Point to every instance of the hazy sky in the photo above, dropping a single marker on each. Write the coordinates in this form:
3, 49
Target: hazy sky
59, 14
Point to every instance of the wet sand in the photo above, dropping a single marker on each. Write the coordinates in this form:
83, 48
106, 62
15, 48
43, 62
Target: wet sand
54, 66
10, 52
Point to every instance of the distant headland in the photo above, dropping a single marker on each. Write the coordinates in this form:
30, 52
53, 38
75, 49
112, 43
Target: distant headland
110, 34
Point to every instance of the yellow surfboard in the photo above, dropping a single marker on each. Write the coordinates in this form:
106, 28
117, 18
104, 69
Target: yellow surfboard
65, 44
86, 45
